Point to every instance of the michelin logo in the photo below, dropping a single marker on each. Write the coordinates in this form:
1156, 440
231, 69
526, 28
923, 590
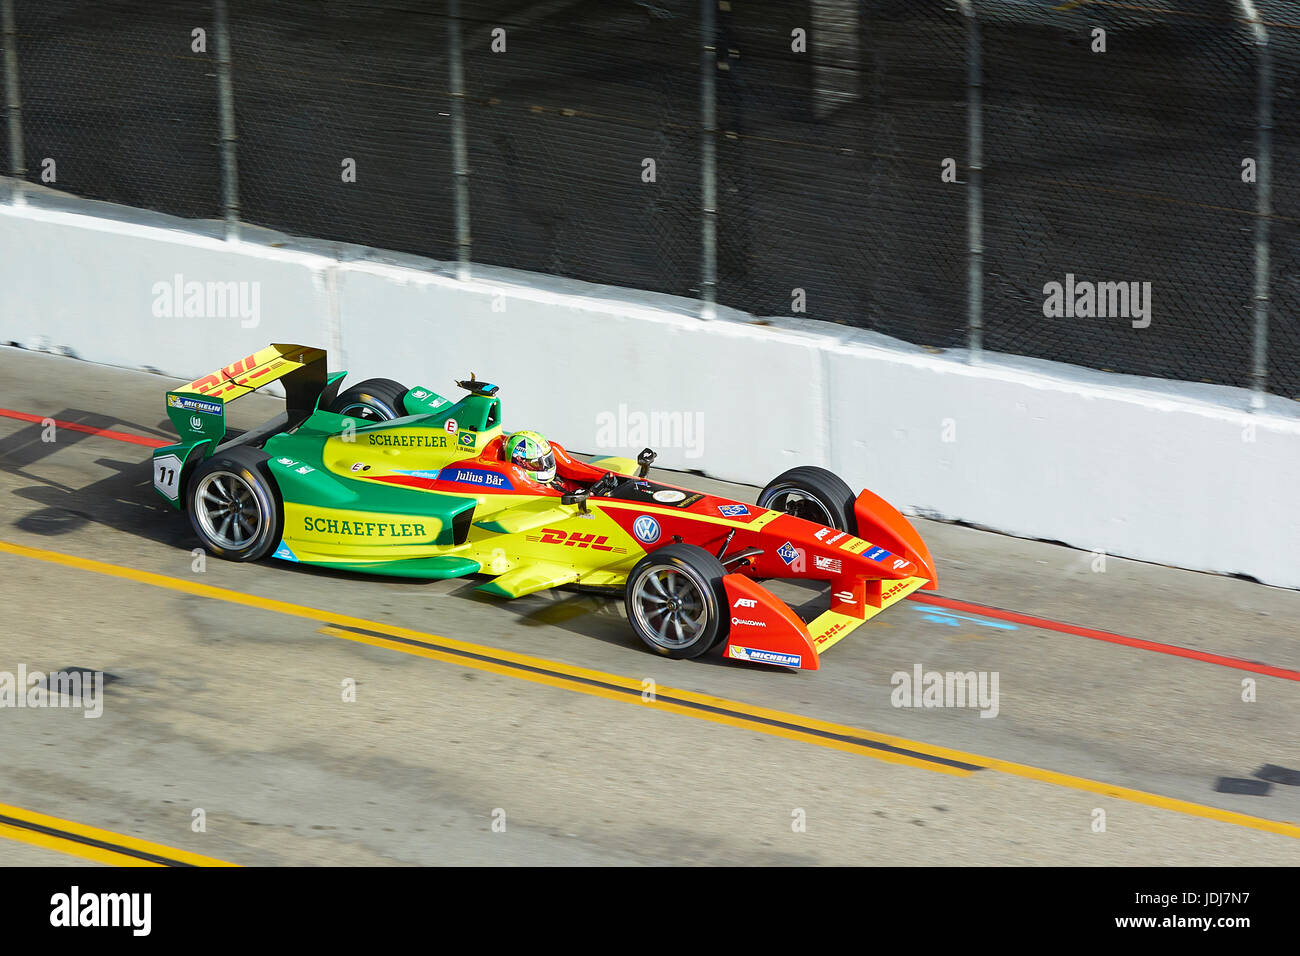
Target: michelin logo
194, 405
765, 657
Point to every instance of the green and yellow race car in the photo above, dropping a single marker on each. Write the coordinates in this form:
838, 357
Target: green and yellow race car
385, 479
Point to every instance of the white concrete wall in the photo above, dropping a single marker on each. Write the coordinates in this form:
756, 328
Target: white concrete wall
1177, 474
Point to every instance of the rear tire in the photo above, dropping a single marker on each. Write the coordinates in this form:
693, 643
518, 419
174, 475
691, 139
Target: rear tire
676, 602
814, 494
233, 505
374, 400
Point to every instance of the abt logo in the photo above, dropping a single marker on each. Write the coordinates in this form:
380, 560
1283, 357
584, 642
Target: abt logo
745, 602
576, 539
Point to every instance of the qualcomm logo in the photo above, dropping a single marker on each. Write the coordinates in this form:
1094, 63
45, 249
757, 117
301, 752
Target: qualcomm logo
646, 529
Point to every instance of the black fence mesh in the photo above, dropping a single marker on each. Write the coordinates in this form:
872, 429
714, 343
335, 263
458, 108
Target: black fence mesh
829, 165
320, 84
836, 119
566, 104
1122, 166
1283, 25
117, 105
4, 109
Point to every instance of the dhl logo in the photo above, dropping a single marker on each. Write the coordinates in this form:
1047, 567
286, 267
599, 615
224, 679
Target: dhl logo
576, 539
239, 374
891, 591
830, 632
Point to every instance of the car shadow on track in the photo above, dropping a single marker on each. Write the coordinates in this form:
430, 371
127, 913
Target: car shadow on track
588, 614
123, 500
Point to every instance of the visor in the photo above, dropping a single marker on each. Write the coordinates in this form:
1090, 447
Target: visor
544, 464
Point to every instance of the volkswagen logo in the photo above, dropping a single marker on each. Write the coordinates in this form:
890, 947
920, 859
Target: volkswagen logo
646, 529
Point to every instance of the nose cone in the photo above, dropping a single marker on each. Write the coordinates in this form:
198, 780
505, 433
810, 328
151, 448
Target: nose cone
884, 563
829, 553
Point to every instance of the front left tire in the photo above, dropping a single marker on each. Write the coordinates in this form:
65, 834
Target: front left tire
676, 602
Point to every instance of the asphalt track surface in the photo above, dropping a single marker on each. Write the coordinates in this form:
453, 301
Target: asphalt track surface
1120, 691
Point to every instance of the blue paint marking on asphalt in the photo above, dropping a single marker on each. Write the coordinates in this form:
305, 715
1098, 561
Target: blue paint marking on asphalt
952, 619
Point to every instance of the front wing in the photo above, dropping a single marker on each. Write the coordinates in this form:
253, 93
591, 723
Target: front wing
765, 630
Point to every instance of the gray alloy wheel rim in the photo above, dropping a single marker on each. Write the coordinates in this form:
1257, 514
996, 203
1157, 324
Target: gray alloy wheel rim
797, 502
228, 510
669, 606
370, 413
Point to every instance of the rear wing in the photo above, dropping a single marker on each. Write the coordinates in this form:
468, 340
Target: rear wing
198, 410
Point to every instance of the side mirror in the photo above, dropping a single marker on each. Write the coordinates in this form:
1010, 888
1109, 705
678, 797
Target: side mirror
578, 498
645, 460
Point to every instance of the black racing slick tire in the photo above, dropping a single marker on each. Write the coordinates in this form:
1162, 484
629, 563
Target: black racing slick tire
234, 506
374, 400
676, 602
814, 494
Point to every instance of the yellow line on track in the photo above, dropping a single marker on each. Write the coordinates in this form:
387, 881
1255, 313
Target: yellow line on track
629, 690
92, 843
721, 711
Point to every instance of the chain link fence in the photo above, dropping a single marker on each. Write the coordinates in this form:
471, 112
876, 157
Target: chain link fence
1077, 181
584, 141
116, 105
830, 199
1123, 164
1283, 24
342, 115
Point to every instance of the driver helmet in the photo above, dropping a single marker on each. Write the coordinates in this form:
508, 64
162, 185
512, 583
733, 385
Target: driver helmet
531, 452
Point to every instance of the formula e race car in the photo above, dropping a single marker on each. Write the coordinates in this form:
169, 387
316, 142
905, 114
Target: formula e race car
384, 479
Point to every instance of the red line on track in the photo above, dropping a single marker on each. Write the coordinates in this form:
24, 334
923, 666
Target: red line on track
1172, 649
1013, 616
89, 430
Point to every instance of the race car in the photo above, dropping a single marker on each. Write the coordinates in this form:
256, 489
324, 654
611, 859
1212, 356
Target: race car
384, 479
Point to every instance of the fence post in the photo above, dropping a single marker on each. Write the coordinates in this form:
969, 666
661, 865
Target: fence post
459, 147
1264, 201
226, 110
13, 104
708, 161
975, 186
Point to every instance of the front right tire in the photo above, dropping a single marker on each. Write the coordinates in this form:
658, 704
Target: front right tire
813, 494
